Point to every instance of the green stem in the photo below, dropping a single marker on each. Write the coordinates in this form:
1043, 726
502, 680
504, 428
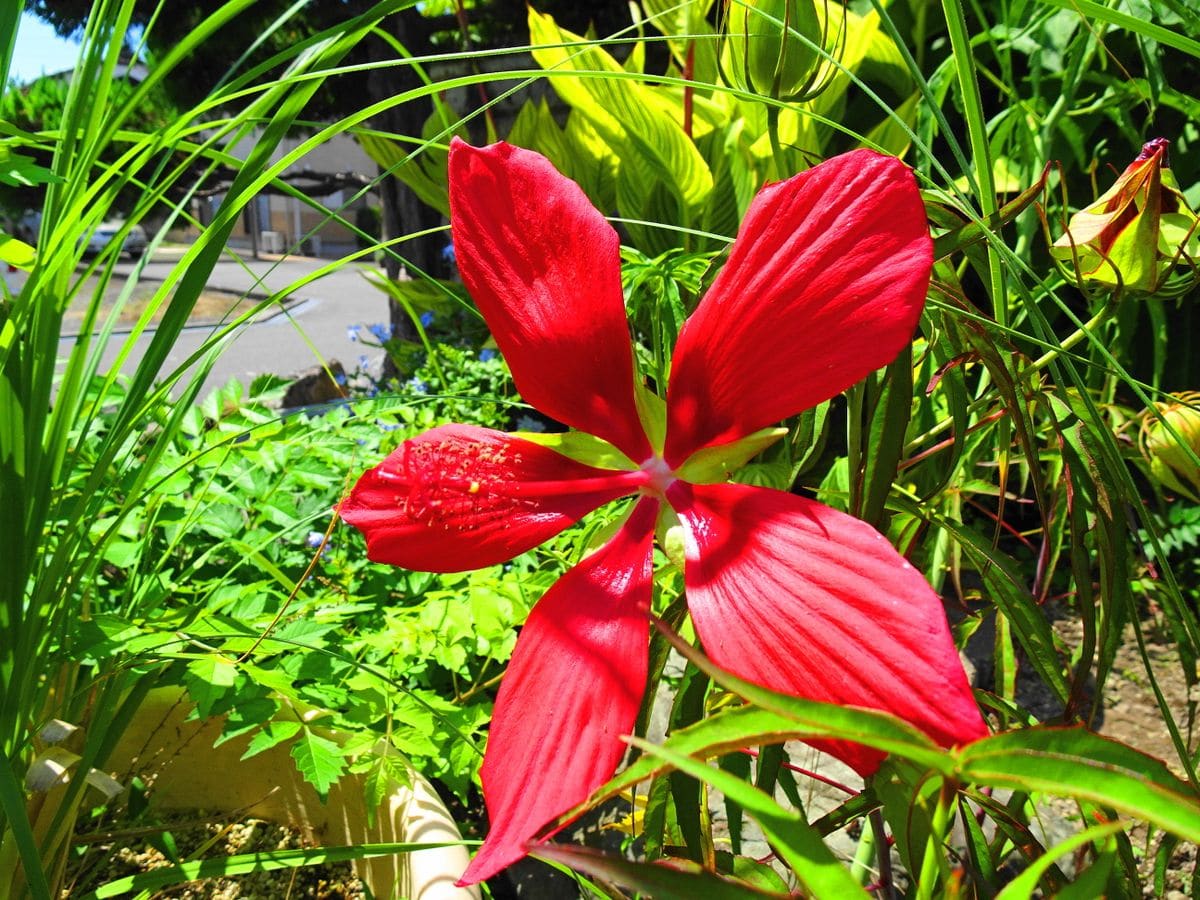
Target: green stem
1074, 338
773, 134
933, 861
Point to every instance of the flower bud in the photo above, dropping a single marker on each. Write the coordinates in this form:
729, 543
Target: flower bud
1140, 235
1171, 465
766, 52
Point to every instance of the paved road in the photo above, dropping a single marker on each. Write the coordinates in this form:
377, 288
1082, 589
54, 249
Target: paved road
313, 329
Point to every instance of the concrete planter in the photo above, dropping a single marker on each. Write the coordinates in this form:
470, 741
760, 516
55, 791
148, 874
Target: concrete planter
176, 757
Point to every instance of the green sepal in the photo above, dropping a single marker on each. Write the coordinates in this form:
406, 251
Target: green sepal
713, 465
652, 410
581, 447
669, 532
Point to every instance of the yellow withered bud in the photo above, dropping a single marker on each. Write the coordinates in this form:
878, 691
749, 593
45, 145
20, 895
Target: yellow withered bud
1171, 463
1140, 236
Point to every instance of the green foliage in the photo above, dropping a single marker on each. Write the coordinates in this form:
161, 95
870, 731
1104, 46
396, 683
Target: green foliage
192, 542
39, 108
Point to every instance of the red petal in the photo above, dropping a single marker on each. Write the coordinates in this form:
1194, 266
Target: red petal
543, 266
825, 283
461, 497
572, 689
805, 600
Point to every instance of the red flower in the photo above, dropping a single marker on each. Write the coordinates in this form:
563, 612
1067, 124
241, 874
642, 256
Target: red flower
825, 284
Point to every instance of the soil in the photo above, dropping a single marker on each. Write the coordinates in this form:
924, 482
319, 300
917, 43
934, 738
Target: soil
126, 855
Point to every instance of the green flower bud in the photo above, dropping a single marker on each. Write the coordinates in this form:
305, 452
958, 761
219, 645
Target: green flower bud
770, 46
1170, 462
1139, 236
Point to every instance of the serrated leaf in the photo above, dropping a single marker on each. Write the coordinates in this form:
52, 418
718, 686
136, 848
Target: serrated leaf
272, 733
387, 773
207, 681
245, 716
19, 170
319, 760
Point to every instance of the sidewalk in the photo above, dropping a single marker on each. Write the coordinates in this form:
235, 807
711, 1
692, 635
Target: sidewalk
312, 329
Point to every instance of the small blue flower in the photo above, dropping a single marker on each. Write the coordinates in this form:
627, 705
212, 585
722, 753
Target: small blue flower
426, 319
314, 539
529, 423
352, 331
448, 253
417, 386
364, 361
487, 354
381, 331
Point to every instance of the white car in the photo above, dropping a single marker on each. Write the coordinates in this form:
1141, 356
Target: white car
30, 224
134, 243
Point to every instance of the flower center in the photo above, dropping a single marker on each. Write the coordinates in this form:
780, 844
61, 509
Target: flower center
660, 476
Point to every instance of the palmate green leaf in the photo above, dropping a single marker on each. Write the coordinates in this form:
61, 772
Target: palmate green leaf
319, 760
792, 837
269, 735
678, 880
208, 679
1076, 763
19, 170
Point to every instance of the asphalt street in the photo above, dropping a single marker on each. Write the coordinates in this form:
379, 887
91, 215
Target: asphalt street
313, 329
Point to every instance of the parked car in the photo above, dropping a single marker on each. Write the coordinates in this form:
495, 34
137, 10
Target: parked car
30, 225
135, 239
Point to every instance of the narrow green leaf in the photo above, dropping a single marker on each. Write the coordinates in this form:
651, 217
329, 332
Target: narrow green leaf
1076, 763
677, 880
12, 803
638, 121
1023, 886
795, 840
1091, 9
